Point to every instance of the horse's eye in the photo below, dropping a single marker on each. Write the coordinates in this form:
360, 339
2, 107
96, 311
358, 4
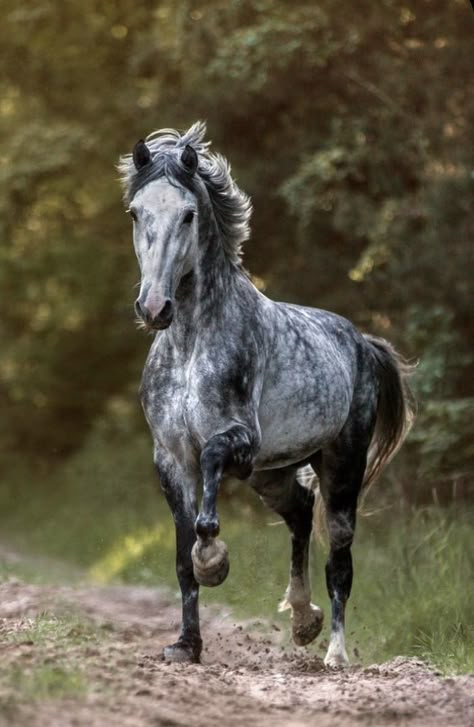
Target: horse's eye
133, 215
188, 217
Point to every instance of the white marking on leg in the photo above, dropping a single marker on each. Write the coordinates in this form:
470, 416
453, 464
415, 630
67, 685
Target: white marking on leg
336, 656
298, 594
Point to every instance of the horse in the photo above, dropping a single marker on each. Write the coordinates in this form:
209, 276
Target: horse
236, 384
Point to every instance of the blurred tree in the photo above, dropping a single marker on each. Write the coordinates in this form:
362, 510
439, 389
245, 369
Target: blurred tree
66, 273
350, 125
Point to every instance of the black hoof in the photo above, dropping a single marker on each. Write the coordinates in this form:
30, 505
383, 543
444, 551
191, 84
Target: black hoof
182, 652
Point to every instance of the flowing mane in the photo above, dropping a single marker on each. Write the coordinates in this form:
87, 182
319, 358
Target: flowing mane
232, 208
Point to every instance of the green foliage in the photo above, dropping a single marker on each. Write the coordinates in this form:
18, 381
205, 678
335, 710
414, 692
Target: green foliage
46, 628
410, 588
445, 442
441, 444
78, 510
47, 682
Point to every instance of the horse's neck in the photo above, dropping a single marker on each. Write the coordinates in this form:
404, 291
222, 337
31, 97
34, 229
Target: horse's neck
203, 294
215, 278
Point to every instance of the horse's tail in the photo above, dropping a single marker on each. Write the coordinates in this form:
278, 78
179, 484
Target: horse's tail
395, 407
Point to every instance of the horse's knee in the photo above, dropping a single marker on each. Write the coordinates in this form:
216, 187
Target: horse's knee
232, 450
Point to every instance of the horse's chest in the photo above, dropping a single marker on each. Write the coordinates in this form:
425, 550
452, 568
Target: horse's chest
171, 402
163, 395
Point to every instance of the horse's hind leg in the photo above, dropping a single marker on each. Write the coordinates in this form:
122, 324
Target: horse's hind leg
341, 474
280, 490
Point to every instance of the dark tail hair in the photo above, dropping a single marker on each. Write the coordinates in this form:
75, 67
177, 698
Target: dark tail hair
395, 408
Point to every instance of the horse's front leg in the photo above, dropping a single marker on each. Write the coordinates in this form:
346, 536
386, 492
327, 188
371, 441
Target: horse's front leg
231, 451
181, 497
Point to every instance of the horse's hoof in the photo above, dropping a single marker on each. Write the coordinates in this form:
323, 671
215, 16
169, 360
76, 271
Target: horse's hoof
210, 562
182, 653
214, 577
307, 626
336, 662
336, 658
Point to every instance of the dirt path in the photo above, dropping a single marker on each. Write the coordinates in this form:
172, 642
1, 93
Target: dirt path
90, 656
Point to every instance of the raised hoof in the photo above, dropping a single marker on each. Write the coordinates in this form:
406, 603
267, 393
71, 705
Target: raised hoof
182, 653
307, 627
210, 562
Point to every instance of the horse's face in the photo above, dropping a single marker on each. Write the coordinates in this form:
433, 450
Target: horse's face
165, 236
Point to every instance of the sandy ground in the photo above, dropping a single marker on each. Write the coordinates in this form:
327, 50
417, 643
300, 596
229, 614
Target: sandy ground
247, 676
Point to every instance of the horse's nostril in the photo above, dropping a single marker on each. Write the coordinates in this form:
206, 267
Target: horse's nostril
138, 308
167, 310
142, 311
153, 315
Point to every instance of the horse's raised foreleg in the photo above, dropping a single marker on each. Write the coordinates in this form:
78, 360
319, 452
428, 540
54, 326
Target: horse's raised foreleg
280, 490
230, 451
182, 502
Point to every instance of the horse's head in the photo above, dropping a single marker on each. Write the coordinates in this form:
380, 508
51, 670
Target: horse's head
170, 181
165, 235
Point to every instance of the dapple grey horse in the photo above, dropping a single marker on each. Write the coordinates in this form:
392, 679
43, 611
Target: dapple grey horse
238, 384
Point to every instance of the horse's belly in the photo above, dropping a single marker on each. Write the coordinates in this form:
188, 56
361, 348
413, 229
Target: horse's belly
283, 446
294, 427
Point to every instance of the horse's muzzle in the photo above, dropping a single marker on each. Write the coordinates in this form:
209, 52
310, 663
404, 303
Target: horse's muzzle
156, 320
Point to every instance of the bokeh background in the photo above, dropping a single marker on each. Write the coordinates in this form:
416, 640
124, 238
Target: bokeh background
351, 126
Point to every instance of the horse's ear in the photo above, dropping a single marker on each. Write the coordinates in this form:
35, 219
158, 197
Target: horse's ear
189, 159
141, 154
